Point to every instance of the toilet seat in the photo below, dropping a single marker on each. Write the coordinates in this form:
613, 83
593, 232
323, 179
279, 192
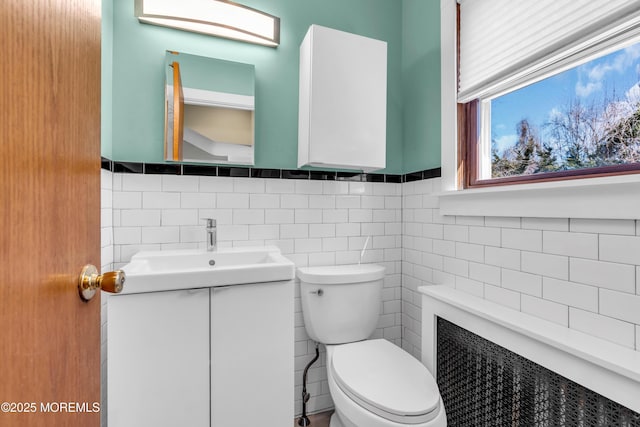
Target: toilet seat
386, 380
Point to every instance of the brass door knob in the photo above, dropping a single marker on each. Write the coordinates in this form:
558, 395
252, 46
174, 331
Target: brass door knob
90, 281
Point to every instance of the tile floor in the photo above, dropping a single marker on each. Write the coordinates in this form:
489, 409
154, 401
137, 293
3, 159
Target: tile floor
317, 420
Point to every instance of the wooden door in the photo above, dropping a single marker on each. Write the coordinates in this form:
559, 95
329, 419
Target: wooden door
49, 211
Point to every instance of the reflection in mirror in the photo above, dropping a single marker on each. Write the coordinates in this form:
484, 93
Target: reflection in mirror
209, 106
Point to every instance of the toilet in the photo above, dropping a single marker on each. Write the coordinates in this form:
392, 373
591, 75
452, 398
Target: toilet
373, 383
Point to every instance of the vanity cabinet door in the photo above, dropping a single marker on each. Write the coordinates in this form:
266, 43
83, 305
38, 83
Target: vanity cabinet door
252, 355
158, 359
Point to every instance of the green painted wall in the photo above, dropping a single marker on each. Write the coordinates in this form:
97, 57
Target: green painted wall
133, 77
421, 84
138, 75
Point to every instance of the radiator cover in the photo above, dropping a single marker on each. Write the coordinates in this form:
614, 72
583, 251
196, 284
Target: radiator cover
484, 384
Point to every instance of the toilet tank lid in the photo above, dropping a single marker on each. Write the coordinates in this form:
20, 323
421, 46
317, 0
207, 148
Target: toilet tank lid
334, 274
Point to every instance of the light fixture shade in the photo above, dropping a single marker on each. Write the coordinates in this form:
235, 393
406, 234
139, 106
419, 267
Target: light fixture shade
213, 17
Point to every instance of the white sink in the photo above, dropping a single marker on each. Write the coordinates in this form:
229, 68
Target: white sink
152, 271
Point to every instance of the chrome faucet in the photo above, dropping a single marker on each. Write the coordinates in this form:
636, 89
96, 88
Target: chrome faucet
212, 238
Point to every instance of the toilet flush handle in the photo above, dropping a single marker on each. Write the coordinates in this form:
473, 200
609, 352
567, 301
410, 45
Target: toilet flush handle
318, 292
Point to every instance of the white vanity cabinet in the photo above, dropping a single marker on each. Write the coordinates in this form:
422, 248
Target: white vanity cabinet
202, 357
252, 355
158, 359
342, 100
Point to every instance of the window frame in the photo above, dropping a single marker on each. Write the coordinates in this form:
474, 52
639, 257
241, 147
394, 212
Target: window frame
469, 146
603, 197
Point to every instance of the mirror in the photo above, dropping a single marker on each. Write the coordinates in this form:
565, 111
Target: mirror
209, 110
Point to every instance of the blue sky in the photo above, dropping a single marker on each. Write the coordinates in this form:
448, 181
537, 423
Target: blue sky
618, 71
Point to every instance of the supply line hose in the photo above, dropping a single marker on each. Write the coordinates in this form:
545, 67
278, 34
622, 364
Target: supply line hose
304, 421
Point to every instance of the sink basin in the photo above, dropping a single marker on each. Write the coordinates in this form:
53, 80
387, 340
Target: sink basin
152, 271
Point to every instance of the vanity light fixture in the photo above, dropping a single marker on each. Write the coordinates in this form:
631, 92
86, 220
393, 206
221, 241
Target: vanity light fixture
219, 18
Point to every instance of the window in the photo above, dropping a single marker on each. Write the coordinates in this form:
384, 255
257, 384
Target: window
583, 118
556, 101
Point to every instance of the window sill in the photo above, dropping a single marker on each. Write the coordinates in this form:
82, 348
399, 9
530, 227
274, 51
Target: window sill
616, 197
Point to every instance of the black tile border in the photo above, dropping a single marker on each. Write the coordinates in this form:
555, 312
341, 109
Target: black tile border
349, 176
234, 172
295, 174
162, 169
201, 170
322, 175
266, 173
127, 167
373, 177
106, 164
240, 172
432, 173
413, 176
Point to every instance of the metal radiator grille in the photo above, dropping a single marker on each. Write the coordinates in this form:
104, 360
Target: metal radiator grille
483, 384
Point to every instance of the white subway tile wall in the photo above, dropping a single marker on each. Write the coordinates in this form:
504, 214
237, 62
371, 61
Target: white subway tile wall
312, 222
578, 273
583, 274
106, 264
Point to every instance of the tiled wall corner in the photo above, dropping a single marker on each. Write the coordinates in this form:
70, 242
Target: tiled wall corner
579, 273
106, 264
312, 222
422, 254
106, 220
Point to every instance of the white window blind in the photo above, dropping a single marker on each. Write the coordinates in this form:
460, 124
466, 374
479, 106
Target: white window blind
505, 44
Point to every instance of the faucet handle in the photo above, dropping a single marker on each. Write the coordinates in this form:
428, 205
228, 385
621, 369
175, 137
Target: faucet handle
211, 222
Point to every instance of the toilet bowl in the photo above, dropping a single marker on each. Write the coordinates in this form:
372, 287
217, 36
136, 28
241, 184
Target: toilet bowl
377, 384
373, 383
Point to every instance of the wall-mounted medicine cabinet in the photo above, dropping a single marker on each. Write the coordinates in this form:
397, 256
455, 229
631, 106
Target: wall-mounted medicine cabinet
343, 100
209, 105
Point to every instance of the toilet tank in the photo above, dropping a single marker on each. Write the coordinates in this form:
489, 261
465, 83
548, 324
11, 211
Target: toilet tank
341, 303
